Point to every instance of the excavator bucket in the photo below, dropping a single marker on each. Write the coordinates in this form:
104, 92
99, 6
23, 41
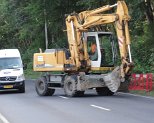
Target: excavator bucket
112, 80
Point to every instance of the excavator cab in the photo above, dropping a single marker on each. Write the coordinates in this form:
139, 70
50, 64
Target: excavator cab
101, 49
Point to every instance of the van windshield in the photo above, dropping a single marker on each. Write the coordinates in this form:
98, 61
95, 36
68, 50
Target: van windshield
10, 63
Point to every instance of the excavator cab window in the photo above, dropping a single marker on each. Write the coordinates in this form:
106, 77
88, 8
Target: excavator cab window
92, 48
107, 48
101, 48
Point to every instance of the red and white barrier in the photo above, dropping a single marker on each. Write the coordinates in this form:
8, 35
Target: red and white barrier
141, 82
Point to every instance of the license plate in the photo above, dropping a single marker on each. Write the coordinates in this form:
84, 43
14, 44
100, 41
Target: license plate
8, 86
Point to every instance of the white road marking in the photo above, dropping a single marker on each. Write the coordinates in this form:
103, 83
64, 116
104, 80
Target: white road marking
3, 119
63, 97
136, 95
106, 109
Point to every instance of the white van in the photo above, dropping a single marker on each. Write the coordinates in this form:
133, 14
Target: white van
11, 70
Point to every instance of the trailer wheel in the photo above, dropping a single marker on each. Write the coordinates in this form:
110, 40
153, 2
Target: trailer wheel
42, 89
104, 91
70, 86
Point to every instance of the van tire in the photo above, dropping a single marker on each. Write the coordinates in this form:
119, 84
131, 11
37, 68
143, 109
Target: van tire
22, 88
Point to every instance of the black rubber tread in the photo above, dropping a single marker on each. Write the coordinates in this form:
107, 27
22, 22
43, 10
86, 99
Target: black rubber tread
70, 86
22, 88
45, 91
80, 93
124, 85
104, 91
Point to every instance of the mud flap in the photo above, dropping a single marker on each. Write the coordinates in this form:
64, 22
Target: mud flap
112, 80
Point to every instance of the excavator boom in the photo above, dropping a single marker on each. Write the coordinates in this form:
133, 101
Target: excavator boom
78, 23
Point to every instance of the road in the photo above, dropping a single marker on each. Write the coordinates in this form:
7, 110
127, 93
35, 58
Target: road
30, 108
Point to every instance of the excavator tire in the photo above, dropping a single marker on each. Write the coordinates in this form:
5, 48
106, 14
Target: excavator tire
104, 91
70, 87
41, 87
124, 87
80, 93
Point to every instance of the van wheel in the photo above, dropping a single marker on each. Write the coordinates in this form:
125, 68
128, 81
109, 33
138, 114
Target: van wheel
104, 91
22, 88
41, 87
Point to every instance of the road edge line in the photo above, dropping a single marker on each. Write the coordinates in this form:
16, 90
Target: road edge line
136, 95
3, 119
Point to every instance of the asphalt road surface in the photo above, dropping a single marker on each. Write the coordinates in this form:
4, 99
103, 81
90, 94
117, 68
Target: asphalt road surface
30, 108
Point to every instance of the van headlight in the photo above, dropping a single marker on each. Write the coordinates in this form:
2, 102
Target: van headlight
21, 77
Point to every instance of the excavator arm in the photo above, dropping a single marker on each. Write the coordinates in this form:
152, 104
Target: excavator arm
77, 24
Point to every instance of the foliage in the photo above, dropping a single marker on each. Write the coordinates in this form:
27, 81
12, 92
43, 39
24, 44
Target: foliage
22, 26
143, 51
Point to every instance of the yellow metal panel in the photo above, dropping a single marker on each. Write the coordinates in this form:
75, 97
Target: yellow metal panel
45, 69
48, 62
61, 57
102, 68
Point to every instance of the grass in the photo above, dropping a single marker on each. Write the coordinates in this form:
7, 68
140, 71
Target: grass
30, 74
143, 93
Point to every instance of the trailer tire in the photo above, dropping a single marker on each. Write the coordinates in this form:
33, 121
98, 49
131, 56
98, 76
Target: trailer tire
70, 86
41, 87
104, 91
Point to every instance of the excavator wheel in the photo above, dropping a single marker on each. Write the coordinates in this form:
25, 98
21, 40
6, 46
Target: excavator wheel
104, 91
70, 88
42, 89
124, 85
80, 93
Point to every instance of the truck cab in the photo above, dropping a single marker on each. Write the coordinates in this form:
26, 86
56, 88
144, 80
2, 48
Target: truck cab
11, 70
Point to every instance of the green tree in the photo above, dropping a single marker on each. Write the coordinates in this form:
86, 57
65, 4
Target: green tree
22, 26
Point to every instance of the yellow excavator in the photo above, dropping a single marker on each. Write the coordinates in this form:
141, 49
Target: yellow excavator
89, 62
